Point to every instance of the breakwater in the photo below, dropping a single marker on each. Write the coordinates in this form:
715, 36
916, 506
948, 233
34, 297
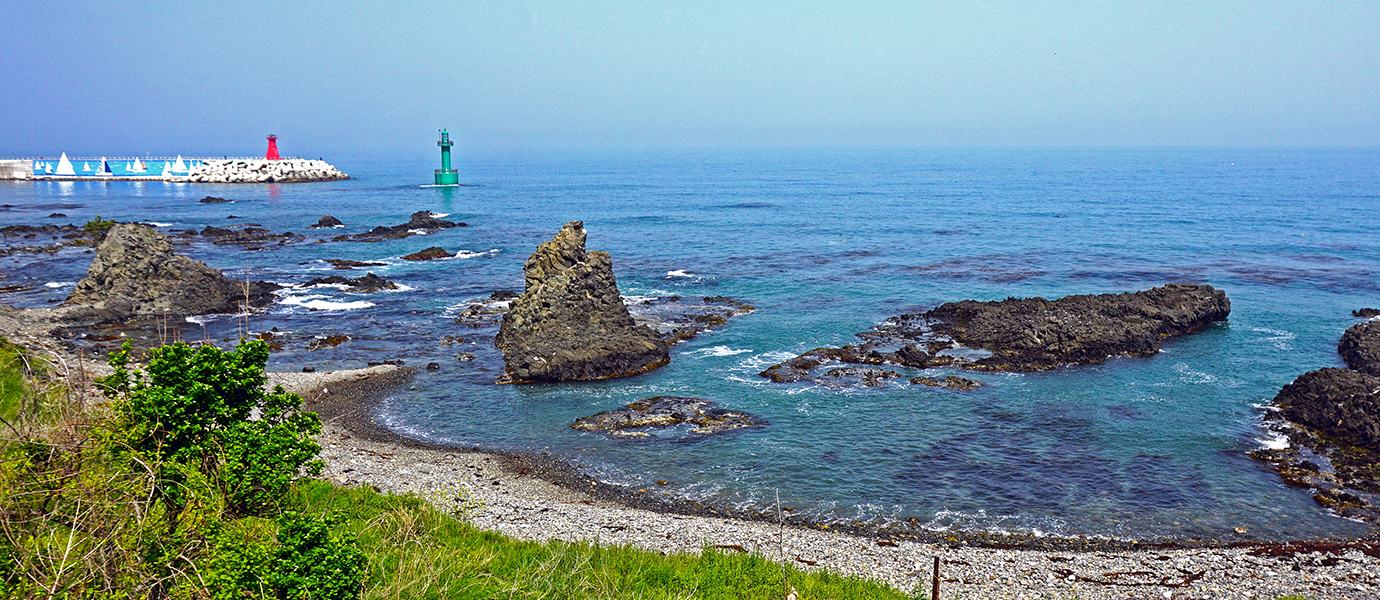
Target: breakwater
260, 170
193, 170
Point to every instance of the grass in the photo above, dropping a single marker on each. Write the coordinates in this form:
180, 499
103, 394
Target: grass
418, 552
78, 521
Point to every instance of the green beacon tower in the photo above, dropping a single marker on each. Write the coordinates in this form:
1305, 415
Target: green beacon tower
446, 175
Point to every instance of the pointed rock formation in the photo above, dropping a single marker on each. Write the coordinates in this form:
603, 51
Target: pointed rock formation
135, 273
571, 323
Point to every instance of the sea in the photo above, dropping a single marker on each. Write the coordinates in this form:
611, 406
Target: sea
825, 244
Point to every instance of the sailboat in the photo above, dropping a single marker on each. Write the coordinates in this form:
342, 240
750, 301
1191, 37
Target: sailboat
167, 169
180, 167
137, 167
86, 166
105, 168
65, 166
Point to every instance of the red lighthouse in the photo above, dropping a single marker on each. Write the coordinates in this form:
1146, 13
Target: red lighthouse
272, 148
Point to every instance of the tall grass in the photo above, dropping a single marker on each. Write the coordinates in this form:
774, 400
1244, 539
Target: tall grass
79, 519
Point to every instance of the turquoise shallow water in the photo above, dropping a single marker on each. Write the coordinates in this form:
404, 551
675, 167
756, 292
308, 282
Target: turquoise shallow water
827, 243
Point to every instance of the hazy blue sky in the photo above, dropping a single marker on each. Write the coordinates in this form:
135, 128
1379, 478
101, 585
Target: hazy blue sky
199, 77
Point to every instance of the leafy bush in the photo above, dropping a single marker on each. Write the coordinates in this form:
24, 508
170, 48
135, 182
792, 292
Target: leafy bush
193, 406
309, 560
98, 225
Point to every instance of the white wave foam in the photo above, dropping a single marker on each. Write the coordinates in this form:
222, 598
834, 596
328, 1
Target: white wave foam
316, 302
59, 284
678, 273
157, 224
199, 319
419, 231
1278, 337
1275, 441
468, 254
716, 351
439, 215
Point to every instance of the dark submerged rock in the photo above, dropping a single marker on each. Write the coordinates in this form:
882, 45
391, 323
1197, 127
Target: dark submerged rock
214, 200
424, 221
246, 235
950, 382
658, 412
571, 324
340, 263
1366, 313
431, 253
368, 283
136, 273
1360, 347
1034, 334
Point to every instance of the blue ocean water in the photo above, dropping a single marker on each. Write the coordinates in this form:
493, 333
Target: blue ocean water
825, 244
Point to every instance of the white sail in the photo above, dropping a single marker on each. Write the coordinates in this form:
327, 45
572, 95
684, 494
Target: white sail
136, 167
167, 169
86, 166
65, 166
105, 167
180, 167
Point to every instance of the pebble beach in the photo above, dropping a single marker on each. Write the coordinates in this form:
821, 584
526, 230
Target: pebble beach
511, 498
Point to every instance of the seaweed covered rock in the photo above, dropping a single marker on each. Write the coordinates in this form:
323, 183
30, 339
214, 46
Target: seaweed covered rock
1360, 347
1033, 334
571, 324
136, 273
703, 417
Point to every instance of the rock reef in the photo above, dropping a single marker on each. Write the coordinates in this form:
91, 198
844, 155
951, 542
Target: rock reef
658, 413
1332, 419
571, 324
422, 221
1034, 334
136, 273
258, 170
1022, 334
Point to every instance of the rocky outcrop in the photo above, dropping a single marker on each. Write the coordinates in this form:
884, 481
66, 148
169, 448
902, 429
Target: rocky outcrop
422, 221
431, 253
1023, 334
1034, 334
258, 170
571, 324
327, 222
1360, 347
1342, 404
136, 273
246, 235
950, 382
1366, 313
214, 200
368, 283
1332, 419
642, 418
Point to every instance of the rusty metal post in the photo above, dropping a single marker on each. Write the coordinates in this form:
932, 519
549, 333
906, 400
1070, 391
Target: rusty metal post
934, 591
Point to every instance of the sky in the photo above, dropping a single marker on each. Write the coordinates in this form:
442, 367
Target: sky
210, 78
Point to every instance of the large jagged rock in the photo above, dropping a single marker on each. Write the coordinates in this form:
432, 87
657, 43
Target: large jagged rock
571, 323
1033, 334
135, 273
1360, 347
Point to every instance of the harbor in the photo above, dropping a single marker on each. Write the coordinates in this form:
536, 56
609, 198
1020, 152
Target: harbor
272, 168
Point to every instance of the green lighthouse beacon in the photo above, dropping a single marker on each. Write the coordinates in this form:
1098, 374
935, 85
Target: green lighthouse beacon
446, 175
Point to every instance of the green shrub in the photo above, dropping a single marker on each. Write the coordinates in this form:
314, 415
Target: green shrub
193, 406
98, 225
309, 560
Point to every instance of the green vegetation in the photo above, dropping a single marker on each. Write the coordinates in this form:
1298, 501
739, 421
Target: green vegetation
185, 484
98, 225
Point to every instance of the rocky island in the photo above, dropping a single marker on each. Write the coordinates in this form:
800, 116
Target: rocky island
571, 324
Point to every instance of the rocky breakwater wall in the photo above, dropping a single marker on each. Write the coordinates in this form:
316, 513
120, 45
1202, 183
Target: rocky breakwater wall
136, 274
264, 171
571, 324
1331, 418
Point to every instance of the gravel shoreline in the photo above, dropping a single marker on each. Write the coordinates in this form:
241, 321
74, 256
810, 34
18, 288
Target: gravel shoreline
515, 496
